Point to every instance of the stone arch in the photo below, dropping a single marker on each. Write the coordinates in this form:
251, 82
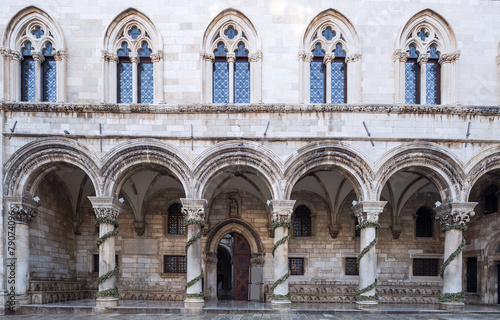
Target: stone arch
126, 159
480, 165
234, 225
439, 166
330, 154
28, 165
237, 154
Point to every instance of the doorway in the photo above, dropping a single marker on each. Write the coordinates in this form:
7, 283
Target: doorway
233, 265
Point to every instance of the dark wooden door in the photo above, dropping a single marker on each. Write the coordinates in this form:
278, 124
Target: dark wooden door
472, 275
241, 267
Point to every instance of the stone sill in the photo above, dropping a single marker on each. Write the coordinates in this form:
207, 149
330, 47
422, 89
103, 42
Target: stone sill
249, 108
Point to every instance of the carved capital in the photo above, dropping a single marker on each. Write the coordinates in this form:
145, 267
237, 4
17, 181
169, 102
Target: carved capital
455, 213
396, 231
400, 55
254, 57
134, 57
328, 58
194, 209
211, 258
334, 230
230, 57
157, 56
5, 52
353, 57
22, 213
60, 55
207, 56
302, 55
106, 207
139, 227
423, 58
16, 56
308, 57
37, 56
258, 259
449, 57
368, 211
281, 210
113, 58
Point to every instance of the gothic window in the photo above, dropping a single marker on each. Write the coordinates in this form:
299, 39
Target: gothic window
425, 58
35, 50
133, 60
351, 267
423, 224
490, 200
176, 219
330, 61
174, 264
302, 222
425, 267
296, 266
231, 60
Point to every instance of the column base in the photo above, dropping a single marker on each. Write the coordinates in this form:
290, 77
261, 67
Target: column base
451, 306
366, 305
194, 303
280, 303
102, 303
21, 300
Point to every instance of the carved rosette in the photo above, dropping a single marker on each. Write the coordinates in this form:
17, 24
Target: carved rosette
455, 213
22, 213
281, 210
449, 57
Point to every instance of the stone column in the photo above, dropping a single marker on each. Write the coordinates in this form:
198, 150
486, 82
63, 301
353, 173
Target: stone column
422, 60
61, 56
231, 57
134, 58
157, 59
22, 212
453, 217
448, 77
105, 75
308, 57
327, 60
107, 211
353, 62
5, 54
255, 60
38, 57
207, 60
194, 213
281, 213
211, 275
367, 213
113, 83
400, 59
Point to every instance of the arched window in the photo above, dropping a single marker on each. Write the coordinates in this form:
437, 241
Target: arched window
330, 61
423, 224
490, 199
302, 222
175, 219
34, 45
231, 60
133, 60
426, 57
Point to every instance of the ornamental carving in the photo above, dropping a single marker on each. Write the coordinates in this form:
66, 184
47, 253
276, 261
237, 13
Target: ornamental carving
334, 230
231, 57
328, 58
400, 56
134, 57
211, 258
254, 57
193, 212
139, 227
368, 211
281, 210
258, 259
37, 56
455, 217
449, 57
60, 55
157, 56
353, 57
207, 56
423, 58
22, 213
109, 213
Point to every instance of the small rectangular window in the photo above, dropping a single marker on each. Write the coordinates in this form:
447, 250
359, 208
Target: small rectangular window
296, 266
351, 268
174, 264
95, 262
425, 267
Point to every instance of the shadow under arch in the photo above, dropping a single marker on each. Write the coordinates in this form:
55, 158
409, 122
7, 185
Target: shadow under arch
28, 165
478, 166
213, 239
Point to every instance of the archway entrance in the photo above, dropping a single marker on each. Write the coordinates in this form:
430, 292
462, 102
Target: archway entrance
233, 267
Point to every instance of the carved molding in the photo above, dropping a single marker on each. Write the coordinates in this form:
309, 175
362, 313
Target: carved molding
231, 57
235, 221
353, 57
423, 58
334, 230
328, 58
60, 55
134, 57
207, 56
194, 209
281, 210
106, 207
157, 56
368, 211
211, 258
254, 57
455, 213
37, 56
400, 56
449, 57
258, 259
139, 227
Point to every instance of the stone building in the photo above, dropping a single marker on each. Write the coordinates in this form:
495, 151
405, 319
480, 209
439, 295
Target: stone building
293, 138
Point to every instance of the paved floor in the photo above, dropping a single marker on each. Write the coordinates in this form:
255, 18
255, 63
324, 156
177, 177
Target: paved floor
326, 316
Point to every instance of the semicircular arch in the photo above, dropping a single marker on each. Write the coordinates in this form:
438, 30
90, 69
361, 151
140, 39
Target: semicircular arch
234, 225
480, 165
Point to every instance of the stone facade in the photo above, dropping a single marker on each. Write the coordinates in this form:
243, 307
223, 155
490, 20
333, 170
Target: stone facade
245, 168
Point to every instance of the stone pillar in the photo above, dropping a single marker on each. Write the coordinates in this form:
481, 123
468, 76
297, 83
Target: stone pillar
231, 57
22, 211
61, 56
113, 83
367, 213
353, 65
194, 219
327, 60
207, 60
5, 54
38, 57
211, 275
453, 217
281, 213
105, 75
448, 62
134, 58
400, 57
422, 60
107, 211
157, 59
308, 57
255, 60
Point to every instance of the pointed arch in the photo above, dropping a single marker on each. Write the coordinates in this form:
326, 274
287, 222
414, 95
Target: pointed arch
32, 35
231, 28
133, 30
337, 37
435, 43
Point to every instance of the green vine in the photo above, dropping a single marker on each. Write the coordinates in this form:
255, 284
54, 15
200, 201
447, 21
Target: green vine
451, 257
452, 297
113, 292
188, 244
368, 224
278, 243
365, 250
462, 227
360, 296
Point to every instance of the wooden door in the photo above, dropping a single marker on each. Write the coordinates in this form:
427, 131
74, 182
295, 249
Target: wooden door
241, 267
